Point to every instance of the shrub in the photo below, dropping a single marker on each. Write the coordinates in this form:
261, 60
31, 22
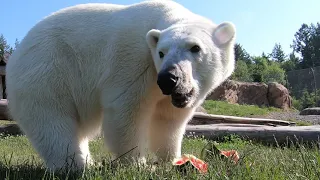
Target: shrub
296, 103
273, 73
307, 100
261, 70
241, 72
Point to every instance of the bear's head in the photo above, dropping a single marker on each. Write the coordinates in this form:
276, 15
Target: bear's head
192, 59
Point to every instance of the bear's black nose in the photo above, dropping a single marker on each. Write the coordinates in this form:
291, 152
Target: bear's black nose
167, 82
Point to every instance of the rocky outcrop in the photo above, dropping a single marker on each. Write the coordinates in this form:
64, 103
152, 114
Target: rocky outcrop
278, 96
261, 94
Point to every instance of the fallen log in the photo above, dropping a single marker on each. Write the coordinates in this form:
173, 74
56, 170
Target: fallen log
281, 135
203, 118
265, 134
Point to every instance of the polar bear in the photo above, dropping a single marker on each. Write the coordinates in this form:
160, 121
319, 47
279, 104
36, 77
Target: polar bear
136, 73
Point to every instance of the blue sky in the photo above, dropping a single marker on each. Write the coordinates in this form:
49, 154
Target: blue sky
260, 24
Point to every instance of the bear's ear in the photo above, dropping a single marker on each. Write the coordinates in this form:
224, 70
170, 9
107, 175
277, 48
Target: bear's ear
224, 33
153, 37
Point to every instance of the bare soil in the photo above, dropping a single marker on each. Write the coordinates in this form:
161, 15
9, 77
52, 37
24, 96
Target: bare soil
293, 116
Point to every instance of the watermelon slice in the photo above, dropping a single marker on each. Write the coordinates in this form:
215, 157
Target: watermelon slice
233, 154
200, 165
211, 150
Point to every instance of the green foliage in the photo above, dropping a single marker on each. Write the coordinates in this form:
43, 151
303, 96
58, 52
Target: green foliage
5, 49
288, 65
260, 70
257, 68
296, 103
277, 53
241, 54
273, 73
307, 44
242, 72
300, 123
264, 55
224, 108
307, 99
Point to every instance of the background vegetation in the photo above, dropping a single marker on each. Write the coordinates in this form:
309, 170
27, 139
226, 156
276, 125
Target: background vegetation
276, 65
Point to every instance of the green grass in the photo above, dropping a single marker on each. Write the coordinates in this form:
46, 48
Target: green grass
301, 123
18, 160
224, 108
3, 122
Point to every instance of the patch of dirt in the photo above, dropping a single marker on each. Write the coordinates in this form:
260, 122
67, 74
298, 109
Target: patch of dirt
292, 115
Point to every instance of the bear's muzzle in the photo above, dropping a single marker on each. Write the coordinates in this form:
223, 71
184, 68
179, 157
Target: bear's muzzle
172, 82
168, 80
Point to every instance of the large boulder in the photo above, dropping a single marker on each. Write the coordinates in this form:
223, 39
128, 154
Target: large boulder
311, 111
278, 96
241, 93
261, 94
227, 91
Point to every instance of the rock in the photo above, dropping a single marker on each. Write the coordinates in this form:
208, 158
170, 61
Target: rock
261, 94
227, 91
311, 111
241, 93
278, 96
253, 93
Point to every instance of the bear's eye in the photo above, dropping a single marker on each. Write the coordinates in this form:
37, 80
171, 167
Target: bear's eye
195, 49
161, 55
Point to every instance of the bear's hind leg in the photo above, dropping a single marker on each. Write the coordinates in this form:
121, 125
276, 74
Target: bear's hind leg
55, 137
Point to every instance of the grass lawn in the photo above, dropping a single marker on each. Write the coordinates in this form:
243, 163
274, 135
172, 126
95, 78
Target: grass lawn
3, 122
224, 108
19, 161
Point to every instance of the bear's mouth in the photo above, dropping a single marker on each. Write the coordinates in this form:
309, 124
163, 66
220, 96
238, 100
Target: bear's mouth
181, 100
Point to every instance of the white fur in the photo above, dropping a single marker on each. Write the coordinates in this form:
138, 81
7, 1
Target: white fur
95, 66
